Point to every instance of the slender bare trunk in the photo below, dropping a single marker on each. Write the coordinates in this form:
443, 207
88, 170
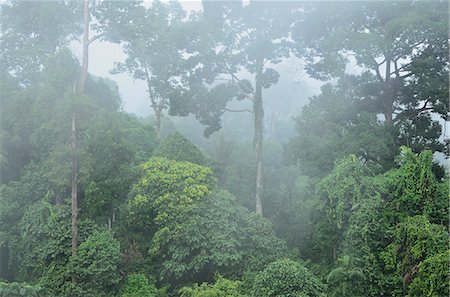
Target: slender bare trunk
74, 188
81, 87
158, 123
259, 116
84, 71
388, 110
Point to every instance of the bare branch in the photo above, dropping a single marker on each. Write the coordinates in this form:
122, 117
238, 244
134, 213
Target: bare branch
377, 69
418, 43
406, 75
413, 112
94, 38
239, 110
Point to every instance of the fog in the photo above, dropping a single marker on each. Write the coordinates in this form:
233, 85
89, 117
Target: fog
224, 148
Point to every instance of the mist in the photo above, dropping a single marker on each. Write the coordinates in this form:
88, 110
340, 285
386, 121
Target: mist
224, 148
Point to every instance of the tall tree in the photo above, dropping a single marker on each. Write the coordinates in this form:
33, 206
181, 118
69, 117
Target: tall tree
153, 39
399, 52
81, 87
32, 32
237, 42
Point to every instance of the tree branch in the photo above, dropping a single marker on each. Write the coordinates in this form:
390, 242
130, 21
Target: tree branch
247, 92
377, 69
94, 38
406, 75
239, 110
413, 112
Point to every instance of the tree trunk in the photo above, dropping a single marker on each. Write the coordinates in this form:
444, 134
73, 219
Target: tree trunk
388, 108
85, 65
81, 86
259, 116
74, 189
158, 123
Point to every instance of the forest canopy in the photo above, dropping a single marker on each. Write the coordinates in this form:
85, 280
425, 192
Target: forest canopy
289, 148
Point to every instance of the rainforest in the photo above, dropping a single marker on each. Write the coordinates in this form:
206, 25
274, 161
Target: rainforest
224, 148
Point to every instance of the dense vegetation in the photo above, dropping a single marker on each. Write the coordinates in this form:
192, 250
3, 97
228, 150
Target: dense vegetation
215, 194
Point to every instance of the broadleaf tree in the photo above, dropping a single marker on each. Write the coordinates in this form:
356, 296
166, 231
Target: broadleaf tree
396, 55
239, 42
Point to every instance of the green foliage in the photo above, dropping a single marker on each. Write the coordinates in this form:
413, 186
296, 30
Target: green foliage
432, 277
363, 240
95, 268
15, 197
414, 190
159, 201
348, 188
287, 278
176, 147
351, 226
346, 281
260, 246
221, 288
45, 242
345, 189
230, 241
368, 232
362, 211
332, 126
27, 45
402, 58
118, 137
19, 290
104, 92
196, 228
96, 265
138, 285
415, 240
156, 55
165, 188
